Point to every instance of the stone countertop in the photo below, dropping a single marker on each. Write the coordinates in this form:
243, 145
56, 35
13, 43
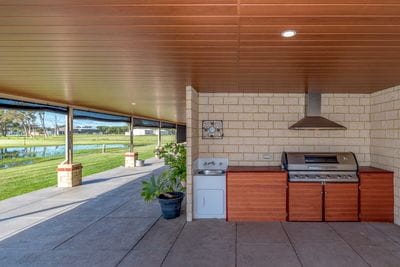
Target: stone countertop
363, 169
369, 169
255, 169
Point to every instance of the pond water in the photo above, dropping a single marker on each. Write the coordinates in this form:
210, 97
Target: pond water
18, 153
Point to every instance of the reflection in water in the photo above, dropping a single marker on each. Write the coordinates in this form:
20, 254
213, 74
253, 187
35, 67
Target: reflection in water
42, 152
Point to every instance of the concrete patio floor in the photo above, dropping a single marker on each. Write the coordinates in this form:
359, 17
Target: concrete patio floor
105, 222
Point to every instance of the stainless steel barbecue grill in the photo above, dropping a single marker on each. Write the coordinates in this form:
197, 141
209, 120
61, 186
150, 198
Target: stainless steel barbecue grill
339, 167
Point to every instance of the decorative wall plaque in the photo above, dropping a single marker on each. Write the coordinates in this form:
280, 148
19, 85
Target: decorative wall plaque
212, 129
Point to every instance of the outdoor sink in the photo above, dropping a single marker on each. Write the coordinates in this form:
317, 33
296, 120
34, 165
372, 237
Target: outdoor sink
211, 172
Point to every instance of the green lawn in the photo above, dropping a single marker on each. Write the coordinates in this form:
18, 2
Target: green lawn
23, 179
80, 139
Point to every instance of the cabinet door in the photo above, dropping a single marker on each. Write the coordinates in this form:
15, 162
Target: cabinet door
256, 196
376, 197
305, 202
210, 202
341, 202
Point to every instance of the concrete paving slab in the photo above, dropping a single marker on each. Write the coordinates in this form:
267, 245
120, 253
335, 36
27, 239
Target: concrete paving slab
48, 234
204, 243
17, 257
75, 257
154, 247
378, 256
40, 209
15, 225
301, 232
264, 255
110, 233
328, 254
138, 208
26, 199
86, 192
361, 234
97, 207
261, 233
391, 230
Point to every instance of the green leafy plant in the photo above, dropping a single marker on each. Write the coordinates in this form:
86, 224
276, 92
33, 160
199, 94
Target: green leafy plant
171, 180
157, 151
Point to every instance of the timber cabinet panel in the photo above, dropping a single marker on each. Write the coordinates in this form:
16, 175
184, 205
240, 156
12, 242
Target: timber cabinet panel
305, 202
256, 196
376, 197
341, 202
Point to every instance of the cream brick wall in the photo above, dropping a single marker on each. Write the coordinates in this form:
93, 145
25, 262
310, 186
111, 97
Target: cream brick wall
385, 136
257, 124
192, 139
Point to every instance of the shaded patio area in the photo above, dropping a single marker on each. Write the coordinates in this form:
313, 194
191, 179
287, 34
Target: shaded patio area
105, 222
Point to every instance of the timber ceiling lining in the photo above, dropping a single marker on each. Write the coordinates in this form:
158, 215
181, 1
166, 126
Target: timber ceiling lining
108, 54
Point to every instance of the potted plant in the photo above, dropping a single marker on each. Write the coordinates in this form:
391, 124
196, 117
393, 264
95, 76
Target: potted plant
157, 151
169, 186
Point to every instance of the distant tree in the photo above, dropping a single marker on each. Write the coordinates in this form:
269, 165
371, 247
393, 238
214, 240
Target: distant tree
56, 126
6, 122
28, 120
102, 129
42, 119
112, 129
23, 119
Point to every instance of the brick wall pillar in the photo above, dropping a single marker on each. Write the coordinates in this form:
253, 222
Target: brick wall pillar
130, 159
192, 139
69, 175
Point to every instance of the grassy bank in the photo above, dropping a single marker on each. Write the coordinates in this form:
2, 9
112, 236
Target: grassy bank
23, 179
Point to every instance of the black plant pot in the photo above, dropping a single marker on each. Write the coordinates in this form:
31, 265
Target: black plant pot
171, 207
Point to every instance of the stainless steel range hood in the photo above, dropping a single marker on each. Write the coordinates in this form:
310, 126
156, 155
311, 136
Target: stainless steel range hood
313, 119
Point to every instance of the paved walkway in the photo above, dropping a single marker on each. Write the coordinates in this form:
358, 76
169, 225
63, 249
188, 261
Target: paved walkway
105, 222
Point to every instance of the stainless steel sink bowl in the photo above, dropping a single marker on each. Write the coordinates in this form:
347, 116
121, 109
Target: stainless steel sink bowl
211, 172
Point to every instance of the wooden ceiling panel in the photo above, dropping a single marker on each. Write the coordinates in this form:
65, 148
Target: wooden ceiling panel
321, 29
113, 2
319, 2
117, 10
320, 10
107, 54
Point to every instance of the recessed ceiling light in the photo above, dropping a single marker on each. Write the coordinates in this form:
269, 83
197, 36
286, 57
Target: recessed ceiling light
288, 33
133, 104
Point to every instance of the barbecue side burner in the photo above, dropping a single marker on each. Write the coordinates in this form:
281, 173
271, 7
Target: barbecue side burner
338, 167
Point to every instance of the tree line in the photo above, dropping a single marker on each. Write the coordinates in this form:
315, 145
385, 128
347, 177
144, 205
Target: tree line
113, 129
28, 123
31, 123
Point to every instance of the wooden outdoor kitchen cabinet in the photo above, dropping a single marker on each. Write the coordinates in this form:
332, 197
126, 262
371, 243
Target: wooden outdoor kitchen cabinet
376, 195
341, 202
256, 195
305, 202
323, 202
263, 194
